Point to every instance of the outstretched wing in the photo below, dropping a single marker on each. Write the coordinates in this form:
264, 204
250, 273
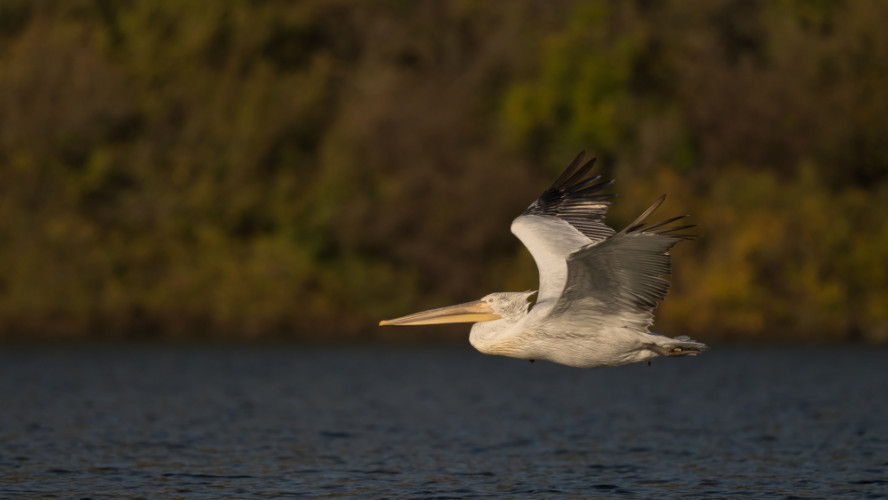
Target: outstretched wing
576, 200
619, 281
566, 217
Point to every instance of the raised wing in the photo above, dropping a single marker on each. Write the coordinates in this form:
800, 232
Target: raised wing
566, 217
576, 200
619, 281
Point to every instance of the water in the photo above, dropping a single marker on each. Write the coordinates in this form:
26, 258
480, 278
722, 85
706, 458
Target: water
189, 422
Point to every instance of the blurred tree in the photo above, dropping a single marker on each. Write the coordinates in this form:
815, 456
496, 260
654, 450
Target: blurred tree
221, 168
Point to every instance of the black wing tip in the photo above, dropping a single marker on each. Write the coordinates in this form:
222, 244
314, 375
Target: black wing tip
573, 183
569, 171
590, 185
577, 178
574, 180
576, 197
672, 231
638, 223
662, 227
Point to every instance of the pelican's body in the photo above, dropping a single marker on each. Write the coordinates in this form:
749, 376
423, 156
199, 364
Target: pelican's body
598, 288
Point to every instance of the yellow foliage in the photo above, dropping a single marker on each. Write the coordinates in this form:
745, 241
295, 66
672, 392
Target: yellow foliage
302, 169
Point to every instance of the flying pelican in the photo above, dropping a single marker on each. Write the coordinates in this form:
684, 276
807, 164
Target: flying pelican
598, 287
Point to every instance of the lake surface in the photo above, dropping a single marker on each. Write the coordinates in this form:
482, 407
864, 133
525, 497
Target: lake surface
247, 422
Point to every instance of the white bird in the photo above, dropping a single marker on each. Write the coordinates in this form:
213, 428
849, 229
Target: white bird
598, 287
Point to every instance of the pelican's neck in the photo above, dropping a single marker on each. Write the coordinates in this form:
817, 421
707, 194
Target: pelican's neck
494, 337
498, 336
486, 336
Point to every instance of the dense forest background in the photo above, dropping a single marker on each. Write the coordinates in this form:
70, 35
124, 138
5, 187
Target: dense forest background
300, 170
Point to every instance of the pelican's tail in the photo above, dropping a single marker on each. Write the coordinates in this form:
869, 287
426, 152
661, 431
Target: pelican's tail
679, 346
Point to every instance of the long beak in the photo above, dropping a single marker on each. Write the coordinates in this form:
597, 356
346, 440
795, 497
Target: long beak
470, 312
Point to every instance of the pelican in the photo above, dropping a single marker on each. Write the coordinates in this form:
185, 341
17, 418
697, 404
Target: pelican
598, 287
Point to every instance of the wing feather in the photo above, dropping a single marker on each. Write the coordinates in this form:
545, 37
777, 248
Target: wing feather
549, 240
566, 217
586, 268
620, 280
577, 200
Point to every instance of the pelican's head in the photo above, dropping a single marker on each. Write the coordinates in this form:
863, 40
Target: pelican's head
509, 305
498, 305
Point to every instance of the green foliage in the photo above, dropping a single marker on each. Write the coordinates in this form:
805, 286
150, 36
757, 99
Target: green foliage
302, 169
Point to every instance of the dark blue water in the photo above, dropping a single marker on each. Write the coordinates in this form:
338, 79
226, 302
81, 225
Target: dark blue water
164, 422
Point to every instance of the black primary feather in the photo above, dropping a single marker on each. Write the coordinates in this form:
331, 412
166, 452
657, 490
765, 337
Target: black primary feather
574, 198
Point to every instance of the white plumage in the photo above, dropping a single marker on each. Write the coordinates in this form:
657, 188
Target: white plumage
598, 288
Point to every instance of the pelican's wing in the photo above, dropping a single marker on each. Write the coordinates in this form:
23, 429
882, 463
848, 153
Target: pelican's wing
619, 281
576, 200
566, 217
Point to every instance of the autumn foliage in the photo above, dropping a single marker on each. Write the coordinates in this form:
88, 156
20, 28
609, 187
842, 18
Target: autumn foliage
232, 169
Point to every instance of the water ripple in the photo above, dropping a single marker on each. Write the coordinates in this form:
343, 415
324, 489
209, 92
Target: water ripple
127, 422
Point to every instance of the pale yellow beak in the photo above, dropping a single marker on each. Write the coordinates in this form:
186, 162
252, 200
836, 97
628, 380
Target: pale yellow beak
470, 312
